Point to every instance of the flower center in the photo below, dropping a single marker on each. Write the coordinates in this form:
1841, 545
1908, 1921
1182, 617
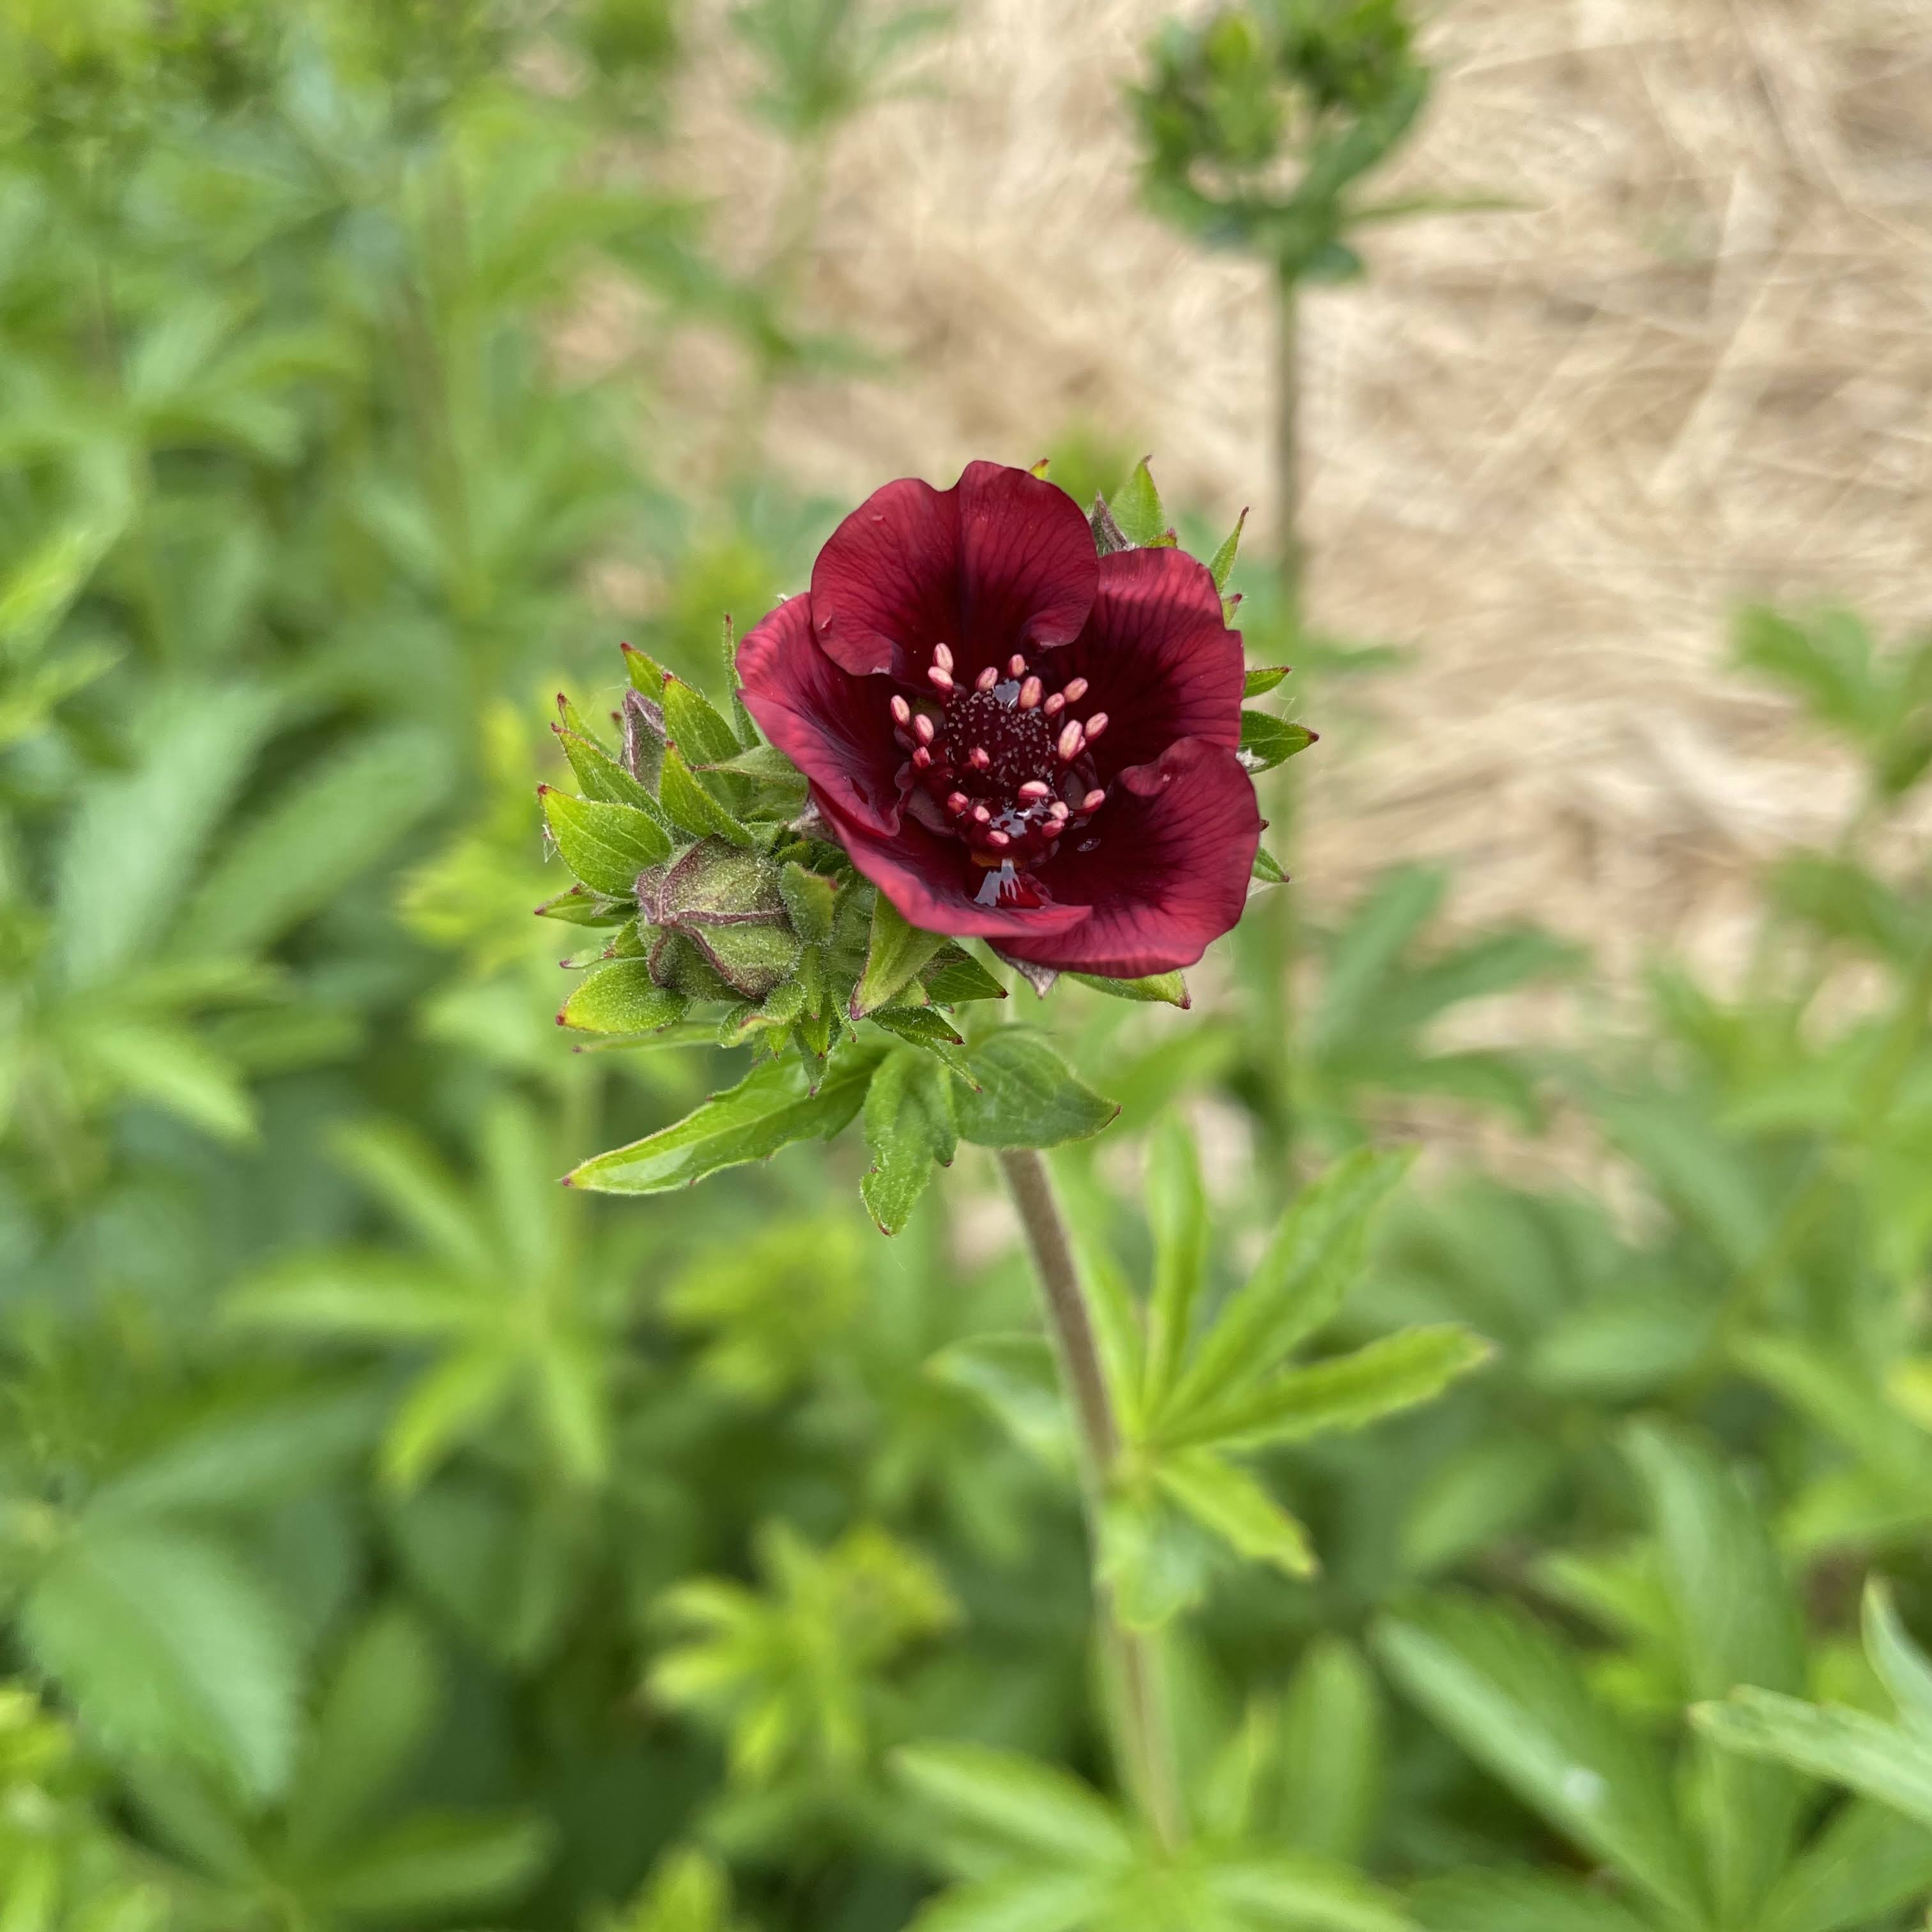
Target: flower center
1008, 764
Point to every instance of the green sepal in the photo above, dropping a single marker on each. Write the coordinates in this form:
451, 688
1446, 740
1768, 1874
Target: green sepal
1138, 512
752, 960
922, 1028
895, 952
765, 764
607, 846
693, 723
689, 804
1223, 562
810, 900
580, 906
1263, 678
645, 673
600, 775
1267, 742
1268, 867
623, 998
1165, 989
953, 976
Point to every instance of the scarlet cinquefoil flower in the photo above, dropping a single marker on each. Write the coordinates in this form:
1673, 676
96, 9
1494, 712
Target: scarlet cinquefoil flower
1014, 738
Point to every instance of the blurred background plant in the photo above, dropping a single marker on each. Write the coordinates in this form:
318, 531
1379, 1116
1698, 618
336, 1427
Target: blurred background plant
387, 1537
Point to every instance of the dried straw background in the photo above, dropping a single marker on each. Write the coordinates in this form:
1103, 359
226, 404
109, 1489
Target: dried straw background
1550, 450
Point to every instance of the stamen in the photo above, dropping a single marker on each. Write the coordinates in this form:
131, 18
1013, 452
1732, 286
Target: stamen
998, 838
1093, 800
1096, 725
987, 678
1070, 741
979, 758
956, 802
901, 710
981, 813
1058, 810
1053, 828
1030, 693
1034, 790
1054, 705
1016, 665
1076, 689
922, 758
922, 728
940, 680
942, 657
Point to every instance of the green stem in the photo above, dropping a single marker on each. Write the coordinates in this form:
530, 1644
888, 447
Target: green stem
1146, 1738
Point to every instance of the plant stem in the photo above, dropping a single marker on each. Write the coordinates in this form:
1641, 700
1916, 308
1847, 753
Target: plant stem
1146, 1739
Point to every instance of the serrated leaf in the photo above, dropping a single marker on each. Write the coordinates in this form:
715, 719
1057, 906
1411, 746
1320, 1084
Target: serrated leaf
773, 1105
1235, 1504
1311, 1261
1165, 989
1138, 510
687, 803
607, 846
1517, 1701
908, 1126
1268, 741
894, 955
1028, 1096
623, 998
1014, 1377
1221, 564
1346, 1392
1261, 678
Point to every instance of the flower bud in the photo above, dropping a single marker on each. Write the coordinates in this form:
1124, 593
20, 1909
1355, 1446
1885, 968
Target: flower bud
714, 923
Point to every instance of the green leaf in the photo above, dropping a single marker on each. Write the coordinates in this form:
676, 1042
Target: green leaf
908, 1124
1310, 1263
694, 726
607, 846
449, 1403
374, 1295
1237, 1507
1346, 1392
1303, 1894
1177, 1209
1902, 1666
166, 1644
922, 1028
435, 1863
169, 1068
1019, 1802
1268, 741
809, 898
1867, 1862
953, 976
621, 998
896, 952
1137, 510
1154, 1559
1736, 1623
1268, 867
1262, 678
580, 906
1509, 1902
1883, 1761
1014, 1378
1028, 1096
687, 803
1332, 1749
1035, 1899
1517, 1701
1221, 565
1167, 989
773, 1105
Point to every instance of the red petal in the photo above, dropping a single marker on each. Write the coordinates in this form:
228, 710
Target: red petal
928, 876
1001, 562
1157, 659
1169, 875
836, 728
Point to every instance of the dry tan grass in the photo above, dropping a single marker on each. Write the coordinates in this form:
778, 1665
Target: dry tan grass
1550, 449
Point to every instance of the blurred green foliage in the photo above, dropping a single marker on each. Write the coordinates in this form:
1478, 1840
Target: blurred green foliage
387, 1537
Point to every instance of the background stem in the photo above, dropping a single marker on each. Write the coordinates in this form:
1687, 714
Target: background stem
1133, 1660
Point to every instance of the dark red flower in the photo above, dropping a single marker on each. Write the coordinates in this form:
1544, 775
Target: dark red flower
1014, 738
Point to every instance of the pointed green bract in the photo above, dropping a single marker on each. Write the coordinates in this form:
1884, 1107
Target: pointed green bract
687, 803
607, 846
1268, 867
692, 724
1138, 510
1267, 742
623, 998
602, 777
895, 952
952, 977
1263, 678
922, 1028
809, 900
1165, 989
1222, 565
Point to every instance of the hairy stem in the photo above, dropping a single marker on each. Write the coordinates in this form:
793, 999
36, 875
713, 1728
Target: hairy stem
1146, 1740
